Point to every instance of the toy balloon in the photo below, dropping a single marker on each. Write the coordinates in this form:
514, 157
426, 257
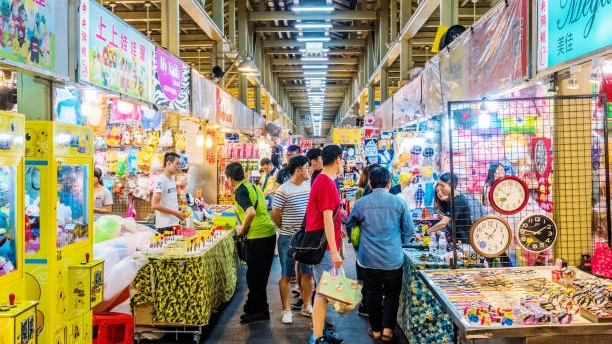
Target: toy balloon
105, 228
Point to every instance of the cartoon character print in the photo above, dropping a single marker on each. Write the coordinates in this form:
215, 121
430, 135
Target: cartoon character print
36, 144
45, 49
34, 50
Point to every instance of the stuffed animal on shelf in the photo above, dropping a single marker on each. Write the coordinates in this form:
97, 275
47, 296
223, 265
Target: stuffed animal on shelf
121, 164
111, 161
99, 143
141, 191
183, 161
180, 142
132, 160
152, 141
144, 161
138, 137
165, 141
157, 162
126, 137
117, 187
113, 138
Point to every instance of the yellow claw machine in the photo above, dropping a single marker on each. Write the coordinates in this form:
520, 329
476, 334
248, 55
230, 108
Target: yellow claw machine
17, 313
58, 195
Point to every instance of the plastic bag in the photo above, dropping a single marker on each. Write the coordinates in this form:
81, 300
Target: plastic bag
131, 211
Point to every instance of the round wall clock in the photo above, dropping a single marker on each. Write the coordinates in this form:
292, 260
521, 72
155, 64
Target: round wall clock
508, 195
490, 236
537, 233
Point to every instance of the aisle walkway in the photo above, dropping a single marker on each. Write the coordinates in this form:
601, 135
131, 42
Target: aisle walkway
225, 325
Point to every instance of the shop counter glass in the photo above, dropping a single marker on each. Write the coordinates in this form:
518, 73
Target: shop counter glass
420, 316
181, 289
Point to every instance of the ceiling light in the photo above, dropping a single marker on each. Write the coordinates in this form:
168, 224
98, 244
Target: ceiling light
248, 66
314, 66
315, 72
314, 58
313, 26
312, 8
314, 39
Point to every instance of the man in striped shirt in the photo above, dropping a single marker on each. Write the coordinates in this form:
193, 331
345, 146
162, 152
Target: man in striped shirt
288, 209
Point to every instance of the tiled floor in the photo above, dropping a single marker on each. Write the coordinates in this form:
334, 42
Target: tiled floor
225, 325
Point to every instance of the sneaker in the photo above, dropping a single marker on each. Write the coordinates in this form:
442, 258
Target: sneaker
306, 311
320, 340
297, 305
253, 317
332, 337
363, 310
287, 317
295, 289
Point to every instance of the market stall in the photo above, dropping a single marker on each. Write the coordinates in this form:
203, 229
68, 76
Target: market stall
523, 305
181, 286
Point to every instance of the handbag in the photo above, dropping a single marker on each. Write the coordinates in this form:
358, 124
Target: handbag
308, 247
342, 292
241, 239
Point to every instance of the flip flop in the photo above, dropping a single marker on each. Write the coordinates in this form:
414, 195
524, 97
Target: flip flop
371, 334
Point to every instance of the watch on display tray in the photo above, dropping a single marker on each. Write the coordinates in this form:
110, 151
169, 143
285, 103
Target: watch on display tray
537, 233
508, 195
490, 236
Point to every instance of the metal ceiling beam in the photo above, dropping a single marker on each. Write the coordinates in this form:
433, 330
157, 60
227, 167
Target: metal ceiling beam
260, 16
333, 60
280, 51
328, 88
298, 69
335, 75
336, 28
280, 43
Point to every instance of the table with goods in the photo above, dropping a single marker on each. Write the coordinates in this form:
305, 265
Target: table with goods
524, 305
190, 273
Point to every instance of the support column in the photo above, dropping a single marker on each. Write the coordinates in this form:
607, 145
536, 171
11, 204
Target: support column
217, 14
383, 30
231, 11
170, 25
449, 12
371, 97
405, 61
257, 96
393, 21
384, 84
29, 88
243, 40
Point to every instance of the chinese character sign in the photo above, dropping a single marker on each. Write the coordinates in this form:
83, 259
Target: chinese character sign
112, 54
27, 32
172, 84
570, 29
347, 136
225, 108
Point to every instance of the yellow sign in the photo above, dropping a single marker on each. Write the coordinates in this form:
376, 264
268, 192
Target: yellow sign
72, 140
347, 136
12, 131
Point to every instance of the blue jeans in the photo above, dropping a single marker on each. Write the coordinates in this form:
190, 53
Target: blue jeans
287, 262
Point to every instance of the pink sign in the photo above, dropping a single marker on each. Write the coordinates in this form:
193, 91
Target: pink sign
169, 73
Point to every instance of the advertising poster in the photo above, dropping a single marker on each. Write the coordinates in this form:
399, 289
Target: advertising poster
28, 33
203, 97
570, 29
225, 108
371, 147
172, 84
112, 54
347, 136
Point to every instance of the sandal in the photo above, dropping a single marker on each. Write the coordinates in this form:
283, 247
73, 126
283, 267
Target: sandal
371, 334
388, 339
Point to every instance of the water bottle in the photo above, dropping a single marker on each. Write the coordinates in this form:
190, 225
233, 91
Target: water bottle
442, 244
433, 244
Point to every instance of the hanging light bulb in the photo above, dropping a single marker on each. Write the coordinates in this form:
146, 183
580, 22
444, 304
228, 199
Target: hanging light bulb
200, 138
209, 142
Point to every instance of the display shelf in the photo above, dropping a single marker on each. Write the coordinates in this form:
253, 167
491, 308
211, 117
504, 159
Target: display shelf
506, 288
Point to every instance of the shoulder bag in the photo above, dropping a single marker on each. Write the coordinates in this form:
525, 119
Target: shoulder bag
309, 247
241, 240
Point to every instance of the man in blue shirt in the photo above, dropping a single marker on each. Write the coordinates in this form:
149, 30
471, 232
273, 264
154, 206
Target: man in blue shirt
385, 223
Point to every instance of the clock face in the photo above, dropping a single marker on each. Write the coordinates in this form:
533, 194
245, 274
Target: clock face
508, 195
537, 233
490, 236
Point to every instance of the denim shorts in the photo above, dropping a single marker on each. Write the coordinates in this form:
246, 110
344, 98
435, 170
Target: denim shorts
288, 263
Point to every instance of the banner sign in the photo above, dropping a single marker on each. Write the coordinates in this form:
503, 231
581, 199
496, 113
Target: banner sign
225, 108
172, 82
407, 102
306, 144
203, 97
570, 29
29, 35
112, 54
371, 147
347, 136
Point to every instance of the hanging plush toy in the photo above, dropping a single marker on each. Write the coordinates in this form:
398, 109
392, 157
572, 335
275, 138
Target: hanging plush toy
165, 141
152, 141
157, 162
111, 161
99, 143
138, 137
132, 160
126, 137
183, 161
144, 161
180, 141
121, 163
113, 138
100, 159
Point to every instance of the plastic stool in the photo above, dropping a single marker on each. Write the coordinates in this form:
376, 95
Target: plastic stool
112, 328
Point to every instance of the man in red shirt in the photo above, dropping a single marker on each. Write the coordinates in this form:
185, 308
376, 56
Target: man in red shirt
323, 211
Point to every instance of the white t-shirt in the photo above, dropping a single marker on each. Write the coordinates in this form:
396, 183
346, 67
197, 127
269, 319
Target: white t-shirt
292, 200
102, 198
167, 188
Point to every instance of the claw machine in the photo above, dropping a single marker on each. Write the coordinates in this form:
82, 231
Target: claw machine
17, 313
58, 194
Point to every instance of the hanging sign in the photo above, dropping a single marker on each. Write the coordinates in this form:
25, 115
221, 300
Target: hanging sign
347, 136
306, 144
371, 147
172, 83
203, 97
570, 29
225, 108
112, 54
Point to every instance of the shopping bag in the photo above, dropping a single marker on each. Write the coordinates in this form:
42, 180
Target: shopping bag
344, 293
131, 210
602, 260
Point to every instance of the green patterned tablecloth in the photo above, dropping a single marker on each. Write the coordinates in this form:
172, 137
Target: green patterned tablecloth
420, 315
186, 289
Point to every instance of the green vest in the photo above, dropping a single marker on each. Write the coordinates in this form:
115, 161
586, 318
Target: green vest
262, 225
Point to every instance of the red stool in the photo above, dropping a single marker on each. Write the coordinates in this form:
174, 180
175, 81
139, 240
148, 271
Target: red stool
112, 328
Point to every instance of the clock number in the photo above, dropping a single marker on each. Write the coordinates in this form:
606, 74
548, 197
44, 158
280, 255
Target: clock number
550, 234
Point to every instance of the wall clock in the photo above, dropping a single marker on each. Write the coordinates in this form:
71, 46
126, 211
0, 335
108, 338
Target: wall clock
508, 195
537, 233
490, 236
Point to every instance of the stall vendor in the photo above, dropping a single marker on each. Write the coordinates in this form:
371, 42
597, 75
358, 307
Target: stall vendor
165, 199
103, 200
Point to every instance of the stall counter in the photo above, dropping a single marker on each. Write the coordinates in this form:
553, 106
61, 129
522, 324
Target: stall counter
185, 289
